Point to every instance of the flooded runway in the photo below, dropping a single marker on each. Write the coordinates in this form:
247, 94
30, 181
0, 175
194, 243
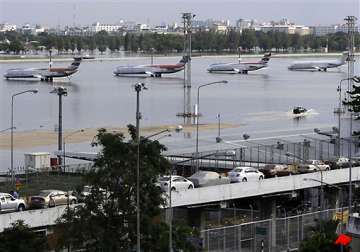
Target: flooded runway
259, 101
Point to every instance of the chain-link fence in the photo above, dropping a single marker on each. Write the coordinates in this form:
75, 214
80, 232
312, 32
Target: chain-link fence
271, 235
270, 151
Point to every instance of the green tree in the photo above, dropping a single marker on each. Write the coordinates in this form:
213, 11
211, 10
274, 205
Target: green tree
79, 44
19, 237
248, 39
60, 44
107, 221
16, 46
322, 241
92, 44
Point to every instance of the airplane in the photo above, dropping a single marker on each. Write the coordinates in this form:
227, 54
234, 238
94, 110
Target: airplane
241, 67
44, 74
152, 70
319, 65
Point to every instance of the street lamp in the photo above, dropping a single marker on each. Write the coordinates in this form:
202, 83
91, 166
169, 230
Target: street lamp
4, 130
289, 154
64, 145
34, 91
198, 116
60, 91
138, 88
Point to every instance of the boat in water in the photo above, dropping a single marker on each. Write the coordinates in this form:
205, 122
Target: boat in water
299, 111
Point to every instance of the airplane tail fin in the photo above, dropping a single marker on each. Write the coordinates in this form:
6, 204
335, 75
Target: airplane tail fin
265, 59
76, 63
344, 57
184, 60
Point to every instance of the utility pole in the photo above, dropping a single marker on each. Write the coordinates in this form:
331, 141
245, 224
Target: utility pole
187, 22
138, 88
350, 21
60, 91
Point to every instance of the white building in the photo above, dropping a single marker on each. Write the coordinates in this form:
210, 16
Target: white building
289, 29
106, 27
7, 27
330, 29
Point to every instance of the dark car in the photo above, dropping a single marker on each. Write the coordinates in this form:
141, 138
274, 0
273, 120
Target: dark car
271, 170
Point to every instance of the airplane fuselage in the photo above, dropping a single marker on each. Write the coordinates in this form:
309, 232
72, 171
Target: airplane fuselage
236, 67
43, 73
315, 65
153, 70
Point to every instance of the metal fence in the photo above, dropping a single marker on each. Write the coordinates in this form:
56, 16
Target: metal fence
271, 235
258, 153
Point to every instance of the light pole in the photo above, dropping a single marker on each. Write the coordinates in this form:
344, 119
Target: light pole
60, 91
198, 116
4, 130
34, 91
289, 154
138, 88
64, 144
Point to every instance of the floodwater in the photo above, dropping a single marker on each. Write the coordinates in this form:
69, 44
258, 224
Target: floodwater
260, 101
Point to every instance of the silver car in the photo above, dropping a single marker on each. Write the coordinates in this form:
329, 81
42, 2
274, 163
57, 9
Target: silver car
51, 198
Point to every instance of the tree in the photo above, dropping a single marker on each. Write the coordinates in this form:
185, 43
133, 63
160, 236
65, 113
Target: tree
59, 44
19, 237
16, 46
79, 44
107, 221
322, 241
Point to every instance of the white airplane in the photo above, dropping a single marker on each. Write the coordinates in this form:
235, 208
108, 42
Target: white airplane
241, 67
45, 74
319, 65
151, 70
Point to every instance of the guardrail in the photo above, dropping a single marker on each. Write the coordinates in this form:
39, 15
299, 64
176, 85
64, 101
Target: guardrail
290, 183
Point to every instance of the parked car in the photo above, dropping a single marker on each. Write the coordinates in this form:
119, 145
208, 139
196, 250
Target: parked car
208, 178
9, 203
51, 198
243, 174
86, 192
271, 170
177, 183
313, 165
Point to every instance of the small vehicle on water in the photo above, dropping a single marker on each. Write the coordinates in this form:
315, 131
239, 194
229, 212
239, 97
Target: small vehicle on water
299, 111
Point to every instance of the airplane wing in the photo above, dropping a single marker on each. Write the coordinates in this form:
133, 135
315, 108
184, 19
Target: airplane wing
236, 70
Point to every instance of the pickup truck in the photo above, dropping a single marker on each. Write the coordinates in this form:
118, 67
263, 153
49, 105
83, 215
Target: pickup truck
9, 203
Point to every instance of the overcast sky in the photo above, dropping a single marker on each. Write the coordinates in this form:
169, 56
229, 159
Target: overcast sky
84, 12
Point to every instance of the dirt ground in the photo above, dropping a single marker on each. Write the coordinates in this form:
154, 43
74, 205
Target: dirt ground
40, 138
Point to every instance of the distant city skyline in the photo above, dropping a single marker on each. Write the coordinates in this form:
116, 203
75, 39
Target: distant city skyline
81, 12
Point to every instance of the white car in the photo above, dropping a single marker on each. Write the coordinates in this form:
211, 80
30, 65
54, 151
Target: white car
243, 174
314, 165
177, 183
9, 203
